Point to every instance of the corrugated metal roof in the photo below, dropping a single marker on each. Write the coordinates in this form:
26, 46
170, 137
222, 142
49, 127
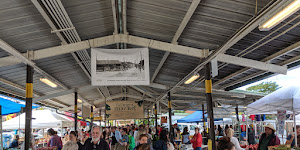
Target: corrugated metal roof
214, 22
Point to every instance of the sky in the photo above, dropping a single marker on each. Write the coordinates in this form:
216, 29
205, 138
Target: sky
292, 78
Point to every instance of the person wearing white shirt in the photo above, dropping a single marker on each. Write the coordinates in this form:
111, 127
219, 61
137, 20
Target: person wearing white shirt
72, 143
233, 140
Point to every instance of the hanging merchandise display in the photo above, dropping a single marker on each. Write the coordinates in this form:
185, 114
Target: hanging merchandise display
252, 117
257, 117
263, 117
281, 116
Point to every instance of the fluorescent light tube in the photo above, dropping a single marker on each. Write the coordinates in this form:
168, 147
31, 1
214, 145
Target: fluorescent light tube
48, 82
192, 79
280, 16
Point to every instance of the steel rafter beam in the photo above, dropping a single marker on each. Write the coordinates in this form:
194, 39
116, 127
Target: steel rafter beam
62, 93
247, 28
102, 100
146, 93
179, 31
17, 86
98, 101
189, 96
142, 91
140, 98
113, 5
252, 63
198, 90
49, 104
12, 92
267, 59
28, 60
103, 41
61, 37
159, 86
287, 62
217, 92
124, 16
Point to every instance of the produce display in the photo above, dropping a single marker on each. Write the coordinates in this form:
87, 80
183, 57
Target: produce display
252, 147
47, 148
280, 147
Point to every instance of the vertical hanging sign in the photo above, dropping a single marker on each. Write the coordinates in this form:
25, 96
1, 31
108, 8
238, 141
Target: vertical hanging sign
281, 117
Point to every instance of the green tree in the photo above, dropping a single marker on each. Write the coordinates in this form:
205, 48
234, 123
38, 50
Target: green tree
264, 87
179, 111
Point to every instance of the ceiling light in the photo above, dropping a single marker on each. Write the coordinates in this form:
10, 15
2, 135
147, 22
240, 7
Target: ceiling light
192, 79
94, 106
48, 82
280, 16
219, 105
79, 100
245, 106
239, 96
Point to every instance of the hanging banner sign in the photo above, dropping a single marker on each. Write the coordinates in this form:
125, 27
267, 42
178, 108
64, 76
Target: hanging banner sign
120, 66
124, 110
164, 119
98, 118
281, 117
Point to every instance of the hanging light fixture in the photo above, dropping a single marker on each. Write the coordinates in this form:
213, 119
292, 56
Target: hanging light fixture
192, 78
48, 82
219, 105
287, 11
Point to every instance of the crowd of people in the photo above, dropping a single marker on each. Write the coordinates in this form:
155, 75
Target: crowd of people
128, 137
132, 137
268, 138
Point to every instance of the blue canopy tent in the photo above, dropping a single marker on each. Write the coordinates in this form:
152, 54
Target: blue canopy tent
12, 105
195, 117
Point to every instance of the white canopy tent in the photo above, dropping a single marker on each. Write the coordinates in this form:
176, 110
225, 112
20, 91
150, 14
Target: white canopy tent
40, 119
287, 98
282, 99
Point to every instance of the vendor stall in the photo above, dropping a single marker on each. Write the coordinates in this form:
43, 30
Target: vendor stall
40, 119
195, 117
285, 99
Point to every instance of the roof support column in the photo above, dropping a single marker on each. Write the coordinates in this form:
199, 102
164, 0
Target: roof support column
92, 117
208, 91
170, 116
238, 119
155, 111
148, 117
75, 109
28, 106
1, 131
204, 124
